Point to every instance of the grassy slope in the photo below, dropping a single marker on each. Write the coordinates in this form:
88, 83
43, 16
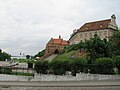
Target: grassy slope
65, 56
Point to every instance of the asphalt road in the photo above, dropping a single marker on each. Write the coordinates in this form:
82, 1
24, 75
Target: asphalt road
61, 83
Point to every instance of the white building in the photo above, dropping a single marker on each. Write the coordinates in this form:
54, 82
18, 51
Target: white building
103, 28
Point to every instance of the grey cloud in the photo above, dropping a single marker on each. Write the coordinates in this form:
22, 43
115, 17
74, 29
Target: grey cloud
27, 25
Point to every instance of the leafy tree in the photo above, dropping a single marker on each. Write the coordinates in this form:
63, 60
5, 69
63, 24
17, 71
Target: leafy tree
38, 66
0, 50
115, 40
59, 67
78, 65
40, 54
4, 56
41, 67
104, 66
117, 62
5, 70
28, 56
70, 48
97, 48
45, 67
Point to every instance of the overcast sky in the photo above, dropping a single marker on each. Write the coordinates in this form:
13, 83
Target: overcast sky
27, 25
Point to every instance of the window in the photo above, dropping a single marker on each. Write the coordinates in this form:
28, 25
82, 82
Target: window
95, 32
90, 35
101, 25
81, 35
86, 27
105, 32
85, 34
76, 42
100, 33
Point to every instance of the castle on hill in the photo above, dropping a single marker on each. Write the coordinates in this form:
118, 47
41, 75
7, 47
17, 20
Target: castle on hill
55, 45
103, 28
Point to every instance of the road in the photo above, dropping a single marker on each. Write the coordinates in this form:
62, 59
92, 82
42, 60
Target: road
62, 85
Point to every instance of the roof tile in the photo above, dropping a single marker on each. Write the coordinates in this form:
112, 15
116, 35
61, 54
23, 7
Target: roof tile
103, 24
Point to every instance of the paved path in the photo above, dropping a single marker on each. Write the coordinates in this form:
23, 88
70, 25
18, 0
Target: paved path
61, 83
64, 85
50, 58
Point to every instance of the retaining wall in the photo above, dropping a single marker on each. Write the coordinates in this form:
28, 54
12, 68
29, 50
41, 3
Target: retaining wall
38, 77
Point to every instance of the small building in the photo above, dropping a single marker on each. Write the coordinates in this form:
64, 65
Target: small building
103, 28
54, 46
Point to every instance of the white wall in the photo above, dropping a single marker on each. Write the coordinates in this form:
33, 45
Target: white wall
39, 77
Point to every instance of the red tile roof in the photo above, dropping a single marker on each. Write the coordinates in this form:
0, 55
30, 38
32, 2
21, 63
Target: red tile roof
103, 24
60, 41
64, 43
57, 41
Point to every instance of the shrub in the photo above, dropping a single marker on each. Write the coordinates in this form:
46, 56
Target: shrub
104, 66
59, 67
117, 62
5, 70
41, 67
78, 65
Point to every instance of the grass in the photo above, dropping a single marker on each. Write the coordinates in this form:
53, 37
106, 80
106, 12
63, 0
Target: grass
23, 60
22, 73
65, 56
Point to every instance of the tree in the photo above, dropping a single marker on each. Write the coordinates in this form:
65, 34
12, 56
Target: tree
78, 65
40, 54
0, 50
4, 56
104, 66
70, 48
41, 67
28, 56
38, 66
117, 62
59, 67
97, 48
115, 40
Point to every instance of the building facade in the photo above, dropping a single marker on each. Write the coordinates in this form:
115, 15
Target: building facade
103, 28
54, 46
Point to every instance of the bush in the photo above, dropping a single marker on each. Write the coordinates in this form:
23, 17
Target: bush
117, 62
104, 66
5, 70
59, 67
78, 65
41, 67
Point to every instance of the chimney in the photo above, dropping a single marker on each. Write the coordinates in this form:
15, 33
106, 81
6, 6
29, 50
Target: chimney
59, 37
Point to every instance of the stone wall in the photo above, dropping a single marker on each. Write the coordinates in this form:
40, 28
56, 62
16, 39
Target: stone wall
38, 77
62, 88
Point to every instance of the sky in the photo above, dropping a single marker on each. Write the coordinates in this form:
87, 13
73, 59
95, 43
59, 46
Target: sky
27, 25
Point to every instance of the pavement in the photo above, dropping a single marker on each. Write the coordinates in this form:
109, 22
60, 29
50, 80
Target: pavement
50, 58
60, 83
